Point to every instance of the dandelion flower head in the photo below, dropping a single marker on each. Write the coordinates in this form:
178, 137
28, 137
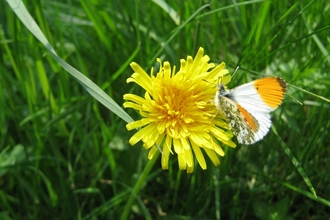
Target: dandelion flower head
178, 113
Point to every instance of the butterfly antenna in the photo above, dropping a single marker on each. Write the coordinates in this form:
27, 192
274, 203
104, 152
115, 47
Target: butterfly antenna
215, 115
208, 82
234, 72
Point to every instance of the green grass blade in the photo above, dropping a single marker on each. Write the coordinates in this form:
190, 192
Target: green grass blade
307, 194
127, 62
95, 18
178, 29
295, 162
263, 18
50, 189
21, 11
230, 6
318, 42
310, 93
169, 10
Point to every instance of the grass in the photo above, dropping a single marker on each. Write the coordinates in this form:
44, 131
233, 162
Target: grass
64, 155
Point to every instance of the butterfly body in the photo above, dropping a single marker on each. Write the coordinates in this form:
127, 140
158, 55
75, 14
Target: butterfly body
247, 107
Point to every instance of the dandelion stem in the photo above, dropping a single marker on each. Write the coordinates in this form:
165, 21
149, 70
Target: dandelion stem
138, 186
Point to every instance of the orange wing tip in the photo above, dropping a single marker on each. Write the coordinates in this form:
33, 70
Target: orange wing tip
271, 90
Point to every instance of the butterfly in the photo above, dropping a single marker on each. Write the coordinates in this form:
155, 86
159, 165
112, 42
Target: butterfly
247, 107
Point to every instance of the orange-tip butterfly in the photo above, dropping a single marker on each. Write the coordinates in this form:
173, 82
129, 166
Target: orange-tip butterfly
247, 107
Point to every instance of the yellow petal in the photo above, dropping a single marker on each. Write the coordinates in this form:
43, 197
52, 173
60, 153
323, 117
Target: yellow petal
138, 124
167, 70
199, 155
133, 105
182, 161
190, 169
212, 155
168, 144
217, 148
177, 146
152, 152
219, 134
189, 158
140, 77
144, 133
165, 158
135, 99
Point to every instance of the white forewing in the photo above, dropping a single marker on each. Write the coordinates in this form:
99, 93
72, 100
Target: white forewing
247, 96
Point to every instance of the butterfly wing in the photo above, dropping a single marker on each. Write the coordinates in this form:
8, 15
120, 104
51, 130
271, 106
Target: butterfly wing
247, 127
247, 107
262, 95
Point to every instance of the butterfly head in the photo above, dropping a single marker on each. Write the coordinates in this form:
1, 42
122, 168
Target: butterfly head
222, 91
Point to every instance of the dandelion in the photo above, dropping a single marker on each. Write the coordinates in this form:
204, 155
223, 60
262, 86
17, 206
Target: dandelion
178, 112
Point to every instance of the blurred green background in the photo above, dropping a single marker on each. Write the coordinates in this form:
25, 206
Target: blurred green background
63, 155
